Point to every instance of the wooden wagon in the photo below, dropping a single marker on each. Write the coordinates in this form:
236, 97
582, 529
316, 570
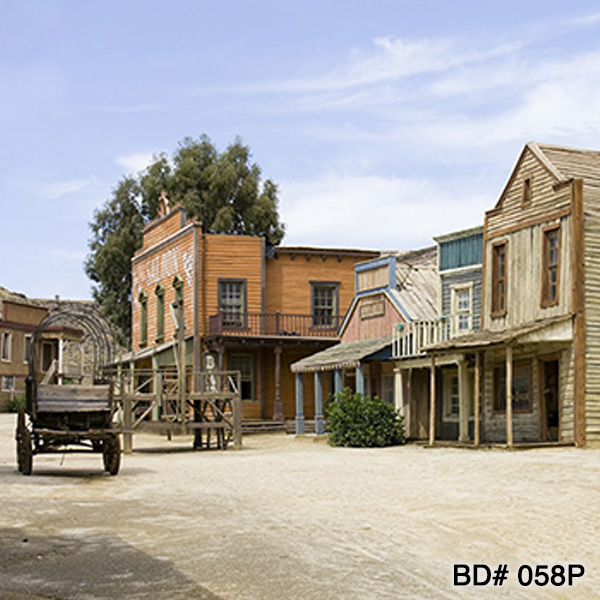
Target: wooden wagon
61, 416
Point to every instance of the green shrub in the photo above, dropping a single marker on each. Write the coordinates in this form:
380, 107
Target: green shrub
354, 420
15, 403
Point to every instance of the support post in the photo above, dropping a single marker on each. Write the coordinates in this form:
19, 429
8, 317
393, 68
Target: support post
337, 381
360, 380
60, 360
432, 401
509, 411
278, 404
126, 401
157, 388
463, 401
476, 393
319, 421
299, 403
398, 391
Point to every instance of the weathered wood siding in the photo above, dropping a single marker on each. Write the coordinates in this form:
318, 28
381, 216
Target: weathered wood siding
372, 317
373, 278
521, 226
592, 314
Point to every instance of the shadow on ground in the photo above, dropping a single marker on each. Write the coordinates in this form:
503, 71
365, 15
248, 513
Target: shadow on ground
96, 567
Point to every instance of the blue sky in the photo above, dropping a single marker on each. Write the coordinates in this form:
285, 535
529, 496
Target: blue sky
384, 123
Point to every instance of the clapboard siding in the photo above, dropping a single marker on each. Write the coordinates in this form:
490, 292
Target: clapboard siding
592, 312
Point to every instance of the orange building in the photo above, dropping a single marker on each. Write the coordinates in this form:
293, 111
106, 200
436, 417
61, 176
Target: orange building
253, 308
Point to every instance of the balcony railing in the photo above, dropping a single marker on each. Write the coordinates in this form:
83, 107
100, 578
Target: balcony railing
273, 325
410, 339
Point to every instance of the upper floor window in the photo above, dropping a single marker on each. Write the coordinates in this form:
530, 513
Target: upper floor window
526, 198
324, 304
550, 265
27, 342
462, 309
6, 349
232, 301
160, 313
499, 279
143, 318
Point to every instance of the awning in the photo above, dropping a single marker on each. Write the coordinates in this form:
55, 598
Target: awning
346, 355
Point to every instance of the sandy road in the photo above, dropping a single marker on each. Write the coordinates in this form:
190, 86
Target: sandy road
292, 518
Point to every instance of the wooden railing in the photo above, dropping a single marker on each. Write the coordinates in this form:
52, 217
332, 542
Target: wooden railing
410, 339
273, 325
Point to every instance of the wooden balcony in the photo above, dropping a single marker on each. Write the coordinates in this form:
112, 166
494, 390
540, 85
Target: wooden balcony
411, 339
273, 325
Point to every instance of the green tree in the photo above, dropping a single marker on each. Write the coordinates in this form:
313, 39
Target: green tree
223, 190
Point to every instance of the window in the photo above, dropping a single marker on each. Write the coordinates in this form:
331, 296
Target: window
462, 314
27, 341
232, 302
143, 318
550, 265
324, 304
160, 313
244, 363
451, 396
521, 388
526, 198
499, 279
8, 383
6, 350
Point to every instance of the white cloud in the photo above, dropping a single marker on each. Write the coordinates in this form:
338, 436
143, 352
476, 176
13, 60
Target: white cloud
377, 212
53, 190
135, 161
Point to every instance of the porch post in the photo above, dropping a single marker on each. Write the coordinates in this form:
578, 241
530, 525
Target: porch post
299, 403
319, 422
337, 381
156, 385
60, 359
398, 391
432, 401
360, 379
476, 392
278, 405
509, 411
463, 401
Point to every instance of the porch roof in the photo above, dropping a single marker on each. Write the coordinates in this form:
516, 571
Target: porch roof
346, 355
557, 329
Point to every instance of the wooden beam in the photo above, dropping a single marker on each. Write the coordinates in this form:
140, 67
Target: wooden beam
463, 402
476, 394
299, 403
432, 401
319, 421
509, 411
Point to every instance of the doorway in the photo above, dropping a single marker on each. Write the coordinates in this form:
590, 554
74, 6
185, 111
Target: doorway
550, 401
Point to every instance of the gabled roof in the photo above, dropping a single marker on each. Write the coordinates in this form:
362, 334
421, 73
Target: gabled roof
561, 162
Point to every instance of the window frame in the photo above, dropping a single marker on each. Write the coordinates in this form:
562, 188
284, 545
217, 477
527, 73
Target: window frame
27, 342
159, 292
5, 385
546, 285
317, 318
229, 319
499, 388
499, 309
527, 191
450, 378
245, 356
6, 347
456, 312
143, 300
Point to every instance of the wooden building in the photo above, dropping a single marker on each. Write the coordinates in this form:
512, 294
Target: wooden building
536, 359
458, 309
19, 319
391, 291
247, 307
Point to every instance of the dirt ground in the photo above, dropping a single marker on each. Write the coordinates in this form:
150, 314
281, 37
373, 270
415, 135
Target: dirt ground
290, 517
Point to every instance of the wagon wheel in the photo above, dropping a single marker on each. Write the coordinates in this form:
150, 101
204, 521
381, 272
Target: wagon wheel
111, 454
24, 448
